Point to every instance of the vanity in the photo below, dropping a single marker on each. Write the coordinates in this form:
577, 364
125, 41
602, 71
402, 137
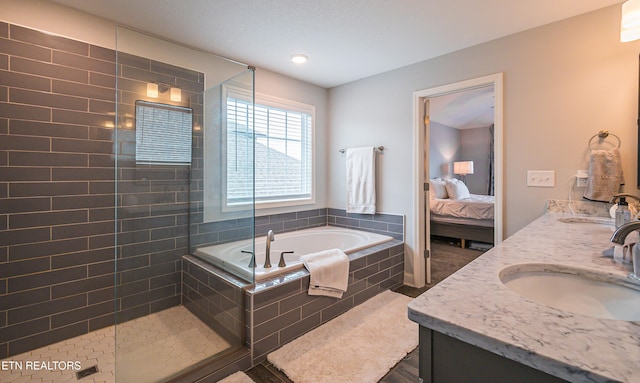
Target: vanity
501, 319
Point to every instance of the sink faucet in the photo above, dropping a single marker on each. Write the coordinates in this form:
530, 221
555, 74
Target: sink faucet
267, 254
619, 237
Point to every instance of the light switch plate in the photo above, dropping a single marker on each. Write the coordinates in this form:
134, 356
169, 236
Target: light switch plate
541, 178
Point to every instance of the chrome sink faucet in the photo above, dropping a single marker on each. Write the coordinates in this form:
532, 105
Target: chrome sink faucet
267, 254
619, 237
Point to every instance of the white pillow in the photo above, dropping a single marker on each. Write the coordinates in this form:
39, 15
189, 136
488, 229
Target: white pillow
438, 188
456, 189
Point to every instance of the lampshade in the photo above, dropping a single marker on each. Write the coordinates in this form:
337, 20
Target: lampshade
630, 22
463, 167
152, 90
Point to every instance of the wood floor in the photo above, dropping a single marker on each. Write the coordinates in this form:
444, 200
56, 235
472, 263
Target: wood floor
446, 259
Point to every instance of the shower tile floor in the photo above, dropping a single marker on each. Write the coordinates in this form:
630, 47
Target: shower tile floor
149, 349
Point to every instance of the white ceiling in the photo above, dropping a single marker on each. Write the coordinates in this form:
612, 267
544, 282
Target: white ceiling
345, 39
467, 109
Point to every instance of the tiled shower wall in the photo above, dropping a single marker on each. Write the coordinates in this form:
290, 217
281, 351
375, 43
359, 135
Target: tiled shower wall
57, 191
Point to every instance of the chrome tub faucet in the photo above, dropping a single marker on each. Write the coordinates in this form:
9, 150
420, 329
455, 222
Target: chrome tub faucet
267, 254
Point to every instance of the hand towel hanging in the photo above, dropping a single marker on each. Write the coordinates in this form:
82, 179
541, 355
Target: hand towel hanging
604, 175
361, 180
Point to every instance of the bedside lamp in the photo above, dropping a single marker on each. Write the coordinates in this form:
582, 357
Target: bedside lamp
462, 168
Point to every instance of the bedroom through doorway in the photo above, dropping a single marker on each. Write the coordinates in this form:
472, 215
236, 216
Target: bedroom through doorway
459, 165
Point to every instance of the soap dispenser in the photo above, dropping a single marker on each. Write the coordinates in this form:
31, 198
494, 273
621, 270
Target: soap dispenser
623, 215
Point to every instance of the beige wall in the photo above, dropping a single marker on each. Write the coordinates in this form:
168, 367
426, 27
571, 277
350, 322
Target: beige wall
562, 84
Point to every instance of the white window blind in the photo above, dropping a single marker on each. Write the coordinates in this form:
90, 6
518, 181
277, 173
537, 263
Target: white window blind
283, 151
163, 133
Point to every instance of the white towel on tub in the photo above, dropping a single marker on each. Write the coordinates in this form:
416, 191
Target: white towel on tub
361, 180
329, 270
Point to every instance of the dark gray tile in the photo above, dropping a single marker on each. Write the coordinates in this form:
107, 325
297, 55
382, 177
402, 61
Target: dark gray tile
42, 309
103, 80
174, 71
48, 40
336, 309
146, 297
46, 338
25, 112
24, 174
82, 146
84, 118
50, 70
102, 53
82, 201
12, 269
24, 236
81, 314
81, 258
296, 224
48, 129
265, 314
23, 329
81, 230
71, 60
24, 298
365, 224
83, 286
82, 90
46, 278
43, 159
21, 49
32, 144
301, 327
20, 221
263, 347
43, 249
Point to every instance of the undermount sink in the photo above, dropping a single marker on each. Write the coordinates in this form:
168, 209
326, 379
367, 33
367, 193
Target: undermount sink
600, 221
579, 291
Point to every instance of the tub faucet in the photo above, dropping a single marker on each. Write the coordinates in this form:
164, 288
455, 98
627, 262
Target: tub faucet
267, 253
619, 237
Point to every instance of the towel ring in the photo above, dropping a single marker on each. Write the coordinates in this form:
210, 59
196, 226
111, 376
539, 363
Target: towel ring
602, 135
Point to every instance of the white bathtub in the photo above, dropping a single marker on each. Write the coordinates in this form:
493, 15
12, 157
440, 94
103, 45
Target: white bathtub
228, 256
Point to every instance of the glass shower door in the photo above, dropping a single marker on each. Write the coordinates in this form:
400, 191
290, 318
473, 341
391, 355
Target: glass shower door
164, 330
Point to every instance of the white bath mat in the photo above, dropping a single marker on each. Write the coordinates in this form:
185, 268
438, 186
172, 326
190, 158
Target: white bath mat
238, 377
359, 346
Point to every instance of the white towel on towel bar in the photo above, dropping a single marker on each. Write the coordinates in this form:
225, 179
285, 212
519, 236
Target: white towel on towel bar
361, 180
329, 272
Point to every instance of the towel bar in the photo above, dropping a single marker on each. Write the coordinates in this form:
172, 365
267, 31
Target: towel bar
378, 148
602, 135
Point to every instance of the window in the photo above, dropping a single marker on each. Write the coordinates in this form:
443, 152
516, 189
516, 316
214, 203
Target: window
283, 134
163, 133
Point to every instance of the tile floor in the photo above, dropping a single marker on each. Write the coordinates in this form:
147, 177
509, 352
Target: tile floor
149, 349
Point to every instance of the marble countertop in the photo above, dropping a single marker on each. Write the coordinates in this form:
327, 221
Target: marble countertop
474, 306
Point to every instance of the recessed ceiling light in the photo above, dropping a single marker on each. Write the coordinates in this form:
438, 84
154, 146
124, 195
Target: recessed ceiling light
299, 58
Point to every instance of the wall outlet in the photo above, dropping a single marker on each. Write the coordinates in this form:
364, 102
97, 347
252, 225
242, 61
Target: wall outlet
541, 178
582, 178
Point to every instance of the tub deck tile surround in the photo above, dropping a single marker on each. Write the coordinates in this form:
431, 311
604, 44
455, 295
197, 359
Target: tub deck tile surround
279, 309
283, 310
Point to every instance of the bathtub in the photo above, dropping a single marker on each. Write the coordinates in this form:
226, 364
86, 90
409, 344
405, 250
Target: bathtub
229, 256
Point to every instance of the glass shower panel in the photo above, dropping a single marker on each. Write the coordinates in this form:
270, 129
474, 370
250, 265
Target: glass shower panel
163, 329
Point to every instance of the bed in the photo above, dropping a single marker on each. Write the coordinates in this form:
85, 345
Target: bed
468, 219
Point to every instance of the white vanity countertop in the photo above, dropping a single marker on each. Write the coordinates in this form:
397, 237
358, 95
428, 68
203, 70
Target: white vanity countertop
474, 306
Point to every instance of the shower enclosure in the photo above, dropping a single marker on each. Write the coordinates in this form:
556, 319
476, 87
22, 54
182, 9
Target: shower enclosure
178, 152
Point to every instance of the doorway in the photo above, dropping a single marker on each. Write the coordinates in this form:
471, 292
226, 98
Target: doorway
421, 224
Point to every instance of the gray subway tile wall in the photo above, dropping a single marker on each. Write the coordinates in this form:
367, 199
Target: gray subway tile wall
58, 191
